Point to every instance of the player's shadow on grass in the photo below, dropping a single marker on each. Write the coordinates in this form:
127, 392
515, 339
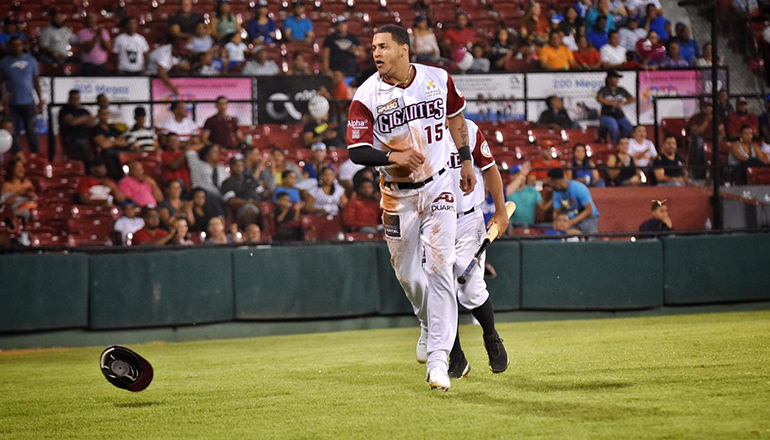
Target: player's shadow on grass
567, 385
138, 404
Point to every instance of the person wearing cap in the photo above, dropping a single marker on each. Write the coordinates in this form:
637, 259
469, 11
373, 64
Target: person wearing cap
545, 162
128, 223
57, 40
521, 190
424, 42
168, 58
557, 56
341, 50
20, 79
242, 192
131, 49
575, 199
260, 65
184, 21
262, 27
660, 221
223, 129
631, 33
318, 161
224, 22
739, 118
613, 98
141, 134
297, 27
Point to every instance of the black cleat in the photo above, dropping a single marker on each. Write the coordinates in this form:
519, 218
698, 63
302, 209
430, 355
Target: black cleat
458, 365
498, 358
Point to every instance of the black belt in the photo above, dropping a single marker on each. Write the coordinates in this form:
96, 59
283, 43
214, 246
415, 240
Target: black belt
470, 211
415, 185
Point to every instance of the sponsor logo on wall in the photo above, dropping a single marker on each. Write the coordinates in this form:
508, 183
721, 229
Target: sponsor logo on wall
283, 100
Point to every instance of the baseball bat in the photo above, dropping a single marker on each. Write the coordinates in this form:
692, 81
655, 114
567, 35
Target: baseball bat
510, 207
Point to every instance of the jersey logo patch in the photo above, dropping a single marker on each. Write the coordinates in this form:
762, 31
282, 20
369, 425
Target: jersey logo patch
387, 122
390, 105
392, 225
485, 150
432, 89
356, 127
444, 202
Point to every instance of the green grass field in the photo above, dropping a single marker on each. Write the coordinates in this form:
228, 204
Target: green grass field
694, 376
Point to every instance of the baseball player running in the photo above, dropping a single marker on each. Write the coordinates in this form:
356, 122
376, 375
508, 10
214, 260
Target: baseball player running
473, 295
398, 121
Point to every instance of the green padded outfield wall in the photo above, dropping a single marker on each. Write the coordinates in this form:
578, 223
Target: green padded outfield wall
306, 282
161, 288
43, 292
592, 275
717, 268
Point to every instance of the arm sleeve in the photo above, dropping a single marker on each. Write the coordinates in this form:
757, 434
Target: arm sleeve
455, 102
482, 156
360, 126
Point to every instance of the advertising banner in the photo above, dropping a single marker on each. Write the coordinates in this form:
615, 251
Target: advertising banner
578, 90
492, 86
203, 89
283, 99
117, 89
673, 83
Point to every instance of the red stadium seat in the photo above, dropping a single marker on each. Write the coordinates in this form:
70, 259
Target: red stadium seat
98, 229
101, 212
322, 228
87, 240
43, 239
759, 176
362, 236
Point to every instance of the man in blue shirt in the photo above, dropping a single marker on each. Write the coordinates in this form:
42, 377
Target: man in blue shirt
297, 27
20, 76
688, 48
574, 198
598, 37
656, 22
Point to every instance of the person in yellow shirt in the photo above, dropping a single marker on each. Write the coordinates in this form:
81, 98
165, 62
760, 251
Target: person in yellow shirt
557, 56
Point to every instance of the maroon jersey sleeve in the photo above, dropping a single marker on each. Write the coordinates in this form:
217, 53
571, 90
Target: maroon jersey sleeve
360, 125
455, 102
482, 155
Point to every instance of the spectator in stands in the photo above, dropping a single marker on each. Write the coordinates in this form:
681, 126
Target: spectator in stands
631, 34
583, 167
106, 140
613, 55
764, 122
183, 125
601, 9
502, 50
174, 165
201, 212
287, 216
242, 192
688, 47
424, 42
151, 233
557, 56
211, 63
140, 134
708, 57
253, 234
272, 175
723, 106
215, 232
18, 192
640, 148
561, 226
185, 21
181, 231
348, 170
57, 40
201, 41
597, 37
312, 168
131, 49
655, 21
480, 63
460, 35
582, 7
535, 28
328, 197
260, 65
297, 27
236, 53
574, 198
95, 46
363, 213
224, 22
669, 167
545, 162
223, 129
651, 51
673, 57
613, 98
289, 186
555, 115
10, 30
746, 8
745, 152
521, 190
587, 57
128, 223
741, 117
660, 221
341, 50
74, 125
319, 130
622, 169
700, 130
637, 7
169, 58
139, 187
19, 76
173, 206
208, 173
298, 65
572, 23
262, 27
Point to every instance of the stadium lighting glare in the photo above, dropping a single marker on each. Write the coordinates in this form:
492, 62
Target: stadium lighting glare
644, 177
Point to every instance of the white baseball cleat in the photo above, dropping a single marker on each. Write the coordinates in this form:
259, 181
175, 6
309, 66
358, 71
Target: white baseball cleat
438, 378
421, 353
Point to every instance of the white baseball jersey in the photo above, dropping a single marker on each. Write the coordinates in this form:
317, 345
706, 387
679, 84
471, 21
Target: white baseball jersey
390, 118
482, 160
